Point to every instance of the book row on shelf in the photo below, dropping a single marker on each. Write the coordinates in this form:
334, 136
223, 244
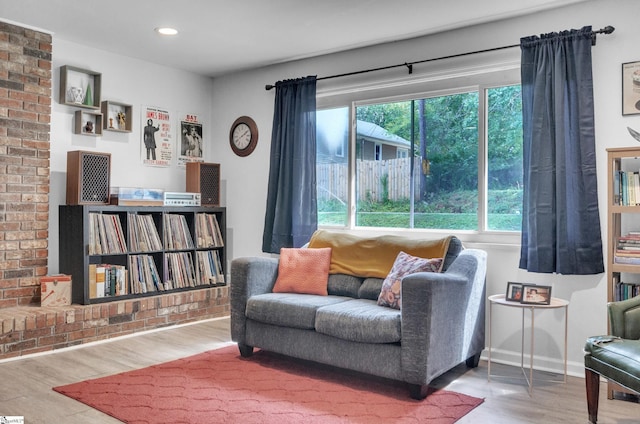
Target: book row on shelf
624, 291
142, 276
106, 235
626, 188
628, 249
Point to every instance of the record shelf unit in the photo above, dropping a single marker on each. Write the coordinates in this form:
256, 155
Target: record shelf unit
141, 250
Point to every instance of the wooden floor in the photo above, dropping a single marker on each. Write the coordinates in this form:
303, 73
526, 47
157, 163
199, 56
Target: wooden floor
26, 384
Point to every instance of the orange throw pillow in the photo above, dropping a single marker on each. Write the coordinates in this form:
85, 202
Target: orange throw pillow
303, 270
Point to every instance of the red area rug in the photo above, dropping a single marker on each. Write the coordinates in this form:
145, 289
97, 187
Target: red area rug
221, 387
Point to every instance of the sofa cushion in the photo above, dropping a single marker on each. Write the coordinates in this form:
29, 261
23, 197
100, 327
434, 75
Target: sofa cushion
288, 309
303, 271
344, 285
374, 256
370, 288
359, 320
405, 264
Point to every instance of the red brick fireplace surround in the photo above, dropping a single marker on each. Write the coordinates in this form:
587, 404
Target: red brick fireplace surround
25, 327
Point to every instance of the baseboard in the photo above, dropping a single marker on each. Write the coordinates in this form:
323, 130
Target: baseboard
540, 363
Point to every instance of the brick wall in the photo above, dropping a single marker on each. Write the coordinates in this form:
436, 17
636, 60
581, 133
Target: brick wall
28, 329
25, 327
25, 114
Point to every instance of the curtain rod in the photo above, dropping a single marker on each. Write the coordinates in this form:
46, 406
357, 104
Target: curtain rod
409, 65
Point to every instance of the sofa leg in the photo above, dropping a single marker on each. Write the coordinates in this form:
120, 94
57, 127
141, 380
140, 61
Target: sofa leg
473, 361
592, 380
245, 351
419, 391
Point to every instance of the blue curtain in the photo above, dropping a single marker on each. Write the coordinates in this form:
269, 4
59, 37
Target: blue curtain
561, 222
292, 216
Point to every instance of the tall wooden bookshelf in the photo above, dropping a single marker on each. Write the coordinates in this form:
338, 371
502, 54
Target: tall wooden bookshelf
623, 204
143, 251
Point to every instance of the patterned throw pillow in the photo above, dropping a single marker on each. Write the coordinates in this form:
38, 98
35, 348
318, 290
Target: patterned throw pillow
404, 264
303, 270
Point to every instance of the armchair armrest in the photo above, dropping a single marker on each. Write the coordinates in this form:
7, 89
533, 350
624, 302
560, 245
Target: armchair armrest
443, 317
624, 317
249, 276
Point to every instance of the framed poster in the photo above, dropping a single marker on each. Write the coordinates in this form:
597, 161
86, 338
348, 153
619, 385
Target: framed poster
631, 88
191, 145
156, 144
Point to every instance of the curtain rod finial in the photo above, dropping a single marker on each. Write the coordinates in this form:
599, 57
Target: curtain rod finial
609, 29
269, 87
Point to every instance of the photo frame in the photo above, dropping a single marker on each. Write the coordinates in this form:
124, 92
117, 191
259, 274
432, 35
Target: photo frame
514, 292
536, 295
631, 88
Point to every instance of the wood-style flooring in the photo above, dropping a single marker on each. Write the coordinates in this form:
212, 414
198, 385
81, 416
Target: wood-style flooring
26, 384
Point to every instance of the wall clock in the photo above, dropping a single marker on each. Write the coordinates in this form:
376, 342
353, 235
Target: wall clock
243, 136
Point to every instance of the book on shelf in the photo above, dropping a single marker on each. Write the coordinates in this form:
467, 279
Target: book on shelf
176, 231
144, 276
208, 231
107, 280
144, 235
106, 235
209, 268
624, 291
626, 186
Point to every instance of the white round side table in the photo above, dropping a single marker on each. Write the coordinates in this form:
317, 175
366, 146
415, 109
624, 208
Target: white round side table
499, 299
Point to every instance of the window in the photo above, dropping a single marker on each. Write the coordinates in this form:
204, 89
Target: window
444, 161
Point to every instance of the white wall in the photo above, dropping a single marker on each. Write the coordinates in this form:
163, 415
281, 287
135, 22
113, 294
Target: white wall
246, 178
131, 81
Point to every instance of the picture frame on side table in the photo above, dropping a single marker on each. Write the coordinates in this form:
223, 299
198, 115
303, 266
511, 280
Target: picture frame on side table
536, 295
80, 87
631, 88
514, 292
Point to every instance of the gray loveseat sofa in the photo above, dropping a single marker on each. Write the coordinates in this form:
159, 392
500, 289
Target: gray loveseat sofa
440, 324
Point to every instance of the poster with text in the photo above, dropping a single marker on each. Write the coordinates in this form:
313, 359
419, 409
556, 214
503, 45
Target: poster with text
157, 145
191, 146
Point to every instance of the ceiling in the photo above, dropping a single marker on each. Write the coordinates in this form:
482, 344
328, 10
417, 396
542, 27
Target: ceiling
217, 37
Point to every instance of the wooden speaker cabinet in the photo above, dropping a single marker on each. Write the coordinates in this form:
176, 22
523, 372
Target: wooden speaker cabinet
88, 178
204, 178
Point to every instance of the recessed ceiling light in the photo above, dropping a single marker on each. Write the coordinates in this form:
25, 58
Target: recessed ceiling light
166, 31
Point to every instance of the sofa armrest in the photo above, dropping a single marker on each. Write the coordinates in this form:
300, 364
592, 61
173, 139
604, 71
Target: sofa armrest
443, 317
249, 276
625, 318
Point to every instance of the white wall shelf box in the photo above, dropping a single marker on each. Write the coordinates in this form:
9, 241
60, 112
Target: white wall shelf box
80, 87
112, 118
82, 120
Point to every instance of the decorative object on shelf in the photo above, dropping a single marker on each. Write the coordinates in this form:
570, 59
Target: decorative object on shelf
635, 134
72, 81
243, 136
631, 88
117, 116
88, 98
122, 122
75, 95
88, 123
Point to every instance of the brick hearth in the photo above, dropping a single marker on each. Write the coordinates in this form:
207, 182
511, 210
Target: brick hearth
32, 329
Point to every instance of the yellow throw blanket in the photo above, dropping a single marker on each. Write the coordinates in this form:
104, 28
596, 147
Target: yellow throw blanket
373, 256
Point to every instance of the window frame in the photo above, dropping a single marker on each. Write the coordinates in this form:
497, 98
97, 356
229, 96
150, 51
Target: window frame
478, 78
